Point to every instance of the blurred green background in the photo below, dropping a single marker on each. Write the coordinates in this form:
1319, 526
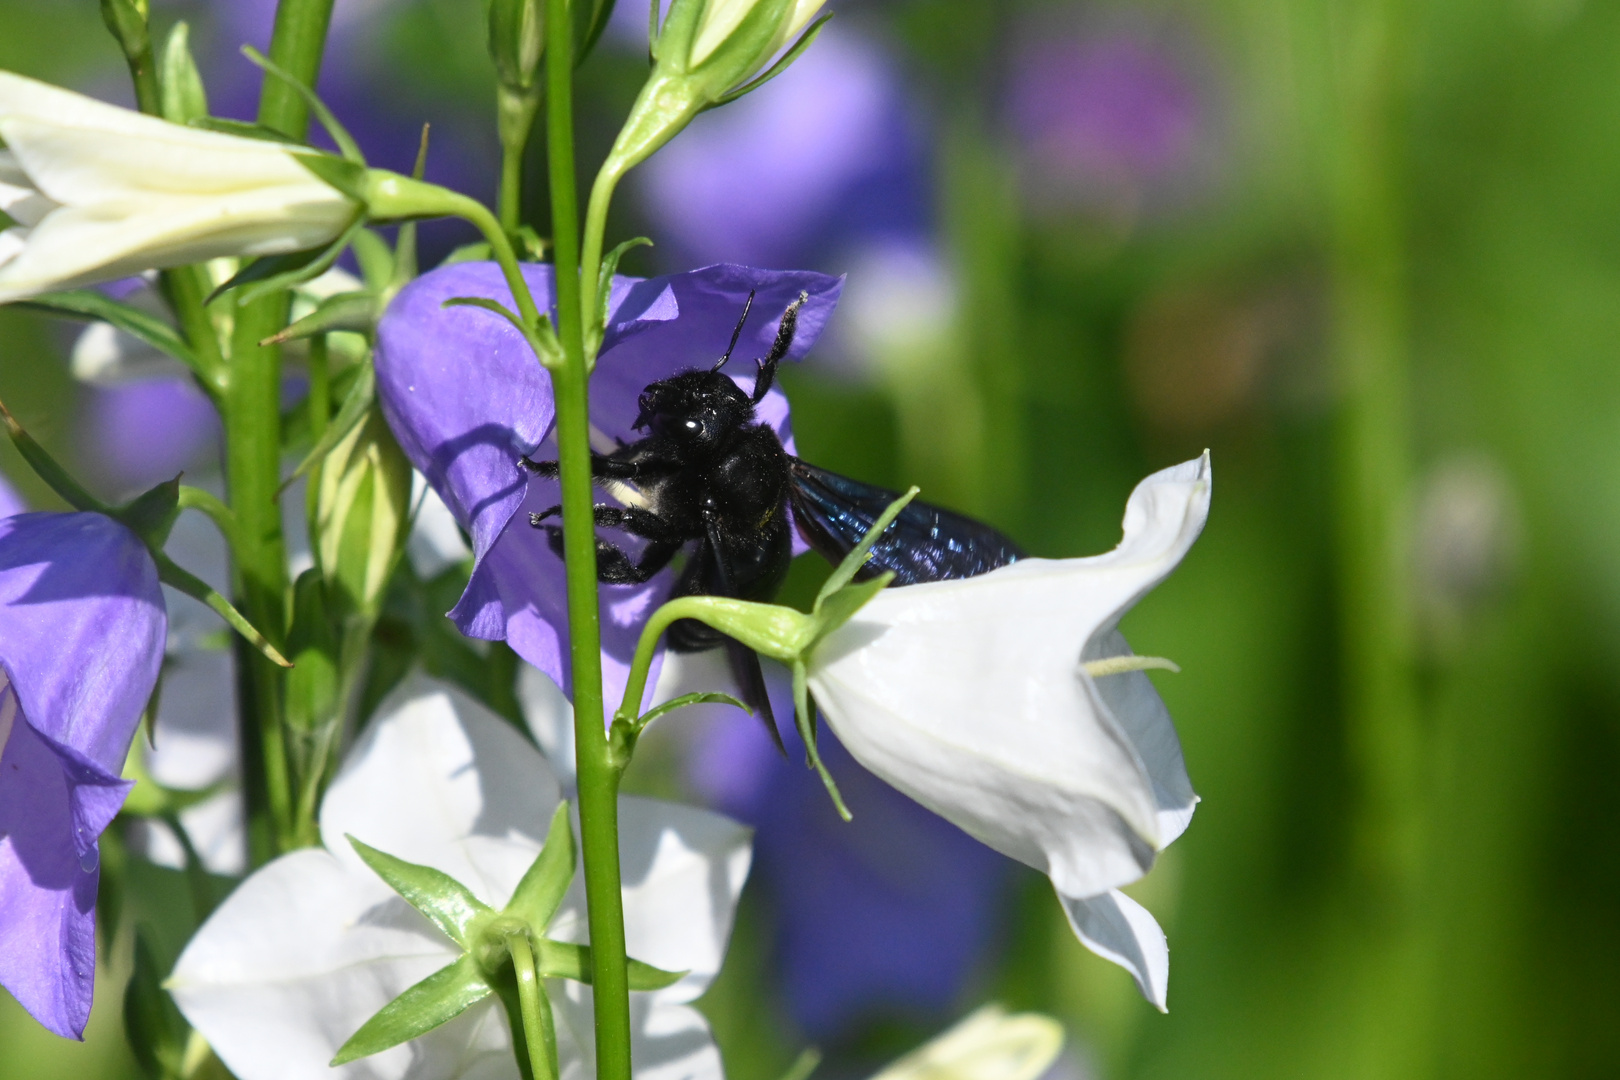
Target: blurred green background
1366, 252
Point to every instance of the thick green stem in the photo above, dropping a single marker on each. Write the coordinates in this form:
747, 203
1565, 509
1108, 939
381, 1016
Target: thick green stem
598, 778
251, 408
538, 1024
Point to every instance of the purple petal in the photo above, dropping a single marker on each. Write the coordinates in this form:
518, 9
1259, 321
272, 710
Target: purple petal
466, 398
82, 629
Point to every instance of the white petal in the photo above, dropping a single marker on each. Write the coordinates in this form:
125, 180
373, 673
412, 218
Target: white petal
437, 778
301, 955
1135, 703
968, 696
13, 242
667, 1042
436, 541
550, 717
1117, 928
987, 1045
19, 199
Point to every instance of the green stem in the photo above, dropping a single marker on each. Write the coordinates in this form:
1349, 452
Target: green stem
538, 1024
598, 777
607, 180
251, 409
515, 112
511, 196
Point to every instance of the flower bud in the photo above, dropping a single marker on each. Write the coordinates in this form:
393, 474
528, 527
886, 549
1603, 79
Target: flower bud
362, 505
127, 21
517, 38
705, 55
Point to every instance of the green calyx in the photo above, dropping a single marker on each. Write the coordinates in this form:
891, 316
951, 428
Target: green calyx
503, 952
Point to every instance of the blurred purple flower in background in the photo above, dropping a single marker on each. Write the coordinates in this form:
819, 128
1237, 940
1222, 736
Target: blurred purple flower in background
81, 640
1111, 116
826, 153
466, 397
145, 431
888, 916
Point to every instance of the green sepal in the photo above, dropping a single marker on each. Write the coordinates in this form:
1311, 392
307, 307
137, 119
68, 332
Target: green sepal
437, 999
446, 902
698, 698
313, 685
477, 251
348, 178
804, 721
47, 468
538, 896
180, 87
340, 135
244, 130
565, 960
94, 304
542, 337
151, 514
845, 571
273, 273
604, 284
379, 264
517, 40
777, 68
353, 311
356, 404
198, 589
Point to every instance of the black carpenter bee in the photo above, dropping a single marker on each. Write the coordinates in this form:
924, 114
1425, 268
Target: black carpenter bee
709, 473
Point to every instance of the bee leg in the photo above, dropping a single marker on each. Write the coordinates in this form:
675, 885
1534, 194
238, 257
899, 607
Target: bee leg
613, 566
539, 468
779, 348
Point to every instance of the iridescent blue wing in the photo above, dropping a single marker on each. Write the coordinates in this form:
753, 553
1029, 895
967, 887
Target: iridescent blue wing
925, 543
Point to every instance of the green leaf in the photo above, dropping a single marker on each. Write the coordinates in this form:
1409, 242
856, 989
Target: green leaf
700, 698
345, 142
845, 571
805, 723
272, 276
47, 468
356, 404
842, 605
244, 130
180, 85
545, 883
543, 340
604, 283
437, 999
347, 177
448, 903
93, 304
198, 589
353, 311
564, 960
156, 1031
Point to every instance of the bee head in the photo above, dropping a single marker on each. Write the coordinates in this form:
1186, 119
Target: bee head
695, 408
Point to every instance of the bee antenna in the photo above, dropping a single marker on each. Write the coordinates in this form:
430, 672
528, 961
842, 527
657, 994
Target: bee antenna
737, 333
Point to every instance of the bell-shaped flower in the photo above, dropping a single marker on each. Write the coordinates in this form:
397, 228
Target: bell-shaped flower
466, 399
99, 192
312, 946
81, 641
1010, 704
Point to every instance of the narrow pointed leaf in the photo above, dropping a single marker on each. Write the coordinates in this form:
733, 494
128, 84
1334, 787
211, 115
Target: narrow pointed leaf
700, 698
198, 589
244, 129
564, 960
355, 311
340, 135
806, 725
437, 999
845, 571
92, 304
780, 66
47, 468
180, 85
356, 404
448, 903
841, 606
297, 275
545, 883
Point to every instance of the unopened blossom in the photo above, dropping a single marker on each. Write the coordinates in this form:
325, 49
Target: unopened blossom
311, 946
81, 640
99, 192
988, 1044
466, 399
1005, 704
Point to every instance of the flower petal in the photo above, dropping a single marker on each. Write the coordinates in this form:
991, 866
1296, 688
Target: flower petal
967, 695
466, 397
440, 780
81, 629
54, 805
300, 956
1117, 928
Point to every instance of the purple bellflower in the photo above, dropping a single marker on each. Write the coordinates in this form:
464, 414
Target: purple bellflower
81, 640
466, 398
